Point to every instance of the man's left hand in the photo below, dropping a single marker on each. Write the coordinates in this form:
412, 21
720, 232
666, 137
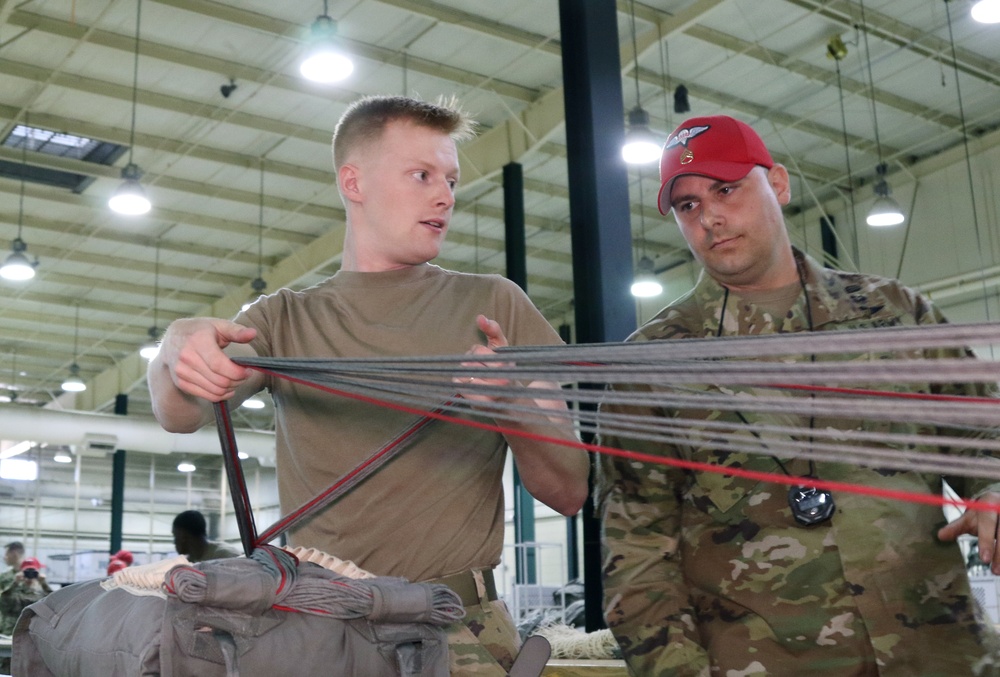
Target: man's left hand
982, 524
494, 339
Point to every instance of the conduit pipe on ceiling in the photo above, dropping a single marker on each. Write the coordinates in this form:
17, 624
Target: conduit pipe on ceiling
78, 428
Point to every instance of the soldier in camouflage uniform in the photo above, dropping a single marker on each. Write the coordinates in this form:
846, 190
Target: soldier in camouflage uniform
12, 556
707, 574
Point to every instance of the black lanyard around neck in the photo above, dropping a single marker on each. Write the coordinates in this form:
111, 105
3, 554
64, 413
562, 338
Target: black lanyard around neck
810, 506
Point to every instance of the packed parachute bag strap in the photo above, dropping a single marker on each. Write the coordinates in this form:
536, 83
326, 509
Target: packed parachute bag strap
240, 617
531, 659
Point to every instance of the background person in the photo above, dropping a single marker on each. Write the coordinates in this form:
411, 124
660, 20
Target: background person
13, 554
27, 587
707, 573
191, 539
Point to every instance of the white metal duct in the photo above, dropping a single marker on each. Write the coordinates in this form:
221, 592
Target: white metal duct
120, 432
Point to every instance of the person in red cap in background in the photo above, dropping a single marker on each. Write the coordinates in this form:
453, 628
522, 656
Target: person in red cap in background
116, 565
29, 586
708, 573
120, 560
124, 556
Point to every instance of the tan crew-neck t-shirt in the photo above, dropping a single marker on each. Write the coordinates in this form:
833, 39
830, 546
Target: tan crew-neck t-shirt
438, 508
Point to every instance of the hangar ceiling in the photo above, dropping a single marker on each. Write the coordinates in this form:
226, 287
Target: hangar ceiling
241, 183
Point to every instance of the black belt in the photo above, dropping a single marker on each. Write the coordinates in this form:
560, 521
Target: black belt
464, 584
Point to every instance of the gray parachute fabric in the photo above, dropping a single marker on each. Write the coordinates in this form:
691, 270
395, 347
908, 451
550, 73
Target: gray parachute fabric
245, 617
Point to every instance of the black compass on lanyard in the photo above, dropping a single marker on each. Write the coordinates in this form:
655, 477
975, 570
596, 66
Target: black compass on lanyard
810, 506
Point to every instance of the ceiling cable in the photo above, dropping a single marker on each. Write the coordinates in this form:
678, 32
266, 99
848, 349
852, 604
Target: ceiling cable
664, 73
260, 223
635, 56
968, 161
871, 82
156, 284
837, 55
24, 172
135, 78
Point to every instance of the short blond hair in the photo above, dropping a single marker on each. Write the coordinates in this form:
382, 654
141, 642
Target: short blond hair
364, 121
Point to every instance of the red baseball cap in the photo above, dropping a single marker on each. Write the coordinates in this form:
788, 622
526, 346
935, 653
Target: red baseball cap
125, 556
116, 565
716, 146
30, 563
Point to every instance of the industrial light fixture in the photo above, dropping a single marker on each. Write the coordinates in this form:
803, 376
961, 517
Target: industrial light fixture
258, 284
640, 145
885, 211
253, 403
644, 285
17, 267
130, 198
325, 61
151, 348
186, 466
986, 11
74, 384
62, 457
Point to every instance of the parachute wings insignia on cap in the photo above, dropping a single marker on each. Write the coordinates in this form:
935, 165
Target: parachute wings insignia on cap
684, 135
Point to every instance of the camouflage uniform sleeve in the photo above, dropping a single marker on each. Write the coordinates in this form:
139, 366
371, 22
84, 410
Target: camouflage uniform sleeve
646, 600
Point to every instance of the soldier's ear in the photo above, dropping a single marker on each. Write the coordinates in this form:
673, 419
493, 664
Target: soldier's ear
777, 177
349, 182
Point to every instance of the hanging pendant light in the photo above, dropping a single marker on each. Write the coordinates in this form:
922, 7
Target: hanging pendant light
986, 11
644, 284
75, 384
885, 211
18, 267
640, 146
130, 198
151, 348
325, 61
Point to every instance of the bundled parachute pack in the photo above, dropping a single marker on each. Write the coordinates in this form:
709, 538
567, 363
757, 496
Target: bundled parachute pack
242, 617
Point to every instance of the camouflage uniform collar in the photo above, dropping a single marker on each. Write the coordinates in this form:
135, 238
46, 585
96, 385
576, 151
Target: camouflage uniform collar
829, 301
